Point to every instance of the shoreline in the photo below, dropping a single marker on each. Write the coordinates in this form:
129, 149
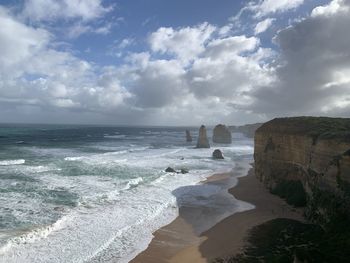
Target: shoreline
180, 241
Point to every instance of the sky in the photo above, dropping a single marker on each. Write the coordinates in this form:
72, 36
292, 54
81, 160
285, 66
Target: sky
167, 62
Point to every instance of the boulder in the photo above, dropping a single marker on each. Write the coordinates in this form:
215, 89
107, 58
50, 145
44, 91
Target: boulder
59, 208
222, 134
203, 141
217, 154
188, 136
184, 171
170, 170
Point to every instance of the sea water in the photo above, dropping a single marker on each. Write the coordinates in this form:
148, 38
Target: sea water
96, 194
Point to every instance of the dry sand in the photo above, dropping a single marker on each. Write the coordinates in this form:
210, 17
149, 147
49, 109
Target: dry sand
178, 242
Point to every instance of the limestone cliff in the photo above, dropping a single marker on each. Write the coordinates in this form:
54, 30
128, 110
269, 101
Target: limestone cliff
308, 150
222, 134
188, 136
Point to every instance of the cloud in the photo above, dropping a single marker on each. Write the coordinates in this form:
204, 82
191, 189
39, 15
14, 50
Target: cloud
262, 26
156, 83
185, 43
314, 66
19, 42
334, 7
81, 28
34, 74
229, 68
267, 7
186, 75
49, 10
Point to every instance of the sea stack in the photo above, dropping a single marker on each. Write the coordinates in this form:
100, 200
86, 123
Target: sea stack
203, 141
188, 136
222, 134
217, 154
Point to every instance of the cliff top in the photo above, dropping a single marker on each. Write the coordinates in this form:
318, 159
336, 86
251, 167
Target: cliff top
316, 127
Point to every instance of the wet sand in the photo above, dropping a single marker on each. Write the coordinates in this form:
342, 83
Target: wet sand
182, 242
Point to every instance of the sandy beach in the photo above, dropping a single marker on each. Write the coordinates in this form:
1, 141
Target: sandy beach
180, 241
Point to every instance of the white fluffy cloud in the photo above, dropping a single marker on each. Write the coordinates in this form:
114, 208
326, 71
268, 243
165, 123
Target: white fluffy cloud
186, 43
46, 10
333, 8
225, 72
18, 42
33, 73
262, 26
266, 7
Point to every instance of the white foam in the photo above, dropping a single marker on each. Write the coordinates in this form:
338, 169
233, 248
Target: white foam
120, 209
12, 162
144, 208
120, 136
33, 235
73, 158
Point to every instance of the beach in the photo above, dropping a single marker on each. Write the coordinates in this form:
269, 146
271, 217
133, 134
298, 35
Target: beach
180, 241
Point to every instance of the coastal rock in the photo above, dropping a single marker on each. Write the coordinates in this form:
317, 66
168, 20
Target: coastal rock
203, 141
170, 170
188, 136
306, 156
184, 171
217, 154
222, 134
59, 208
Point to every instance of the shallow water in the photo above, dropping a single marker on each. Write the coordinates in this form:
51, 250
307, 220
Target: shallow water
86, 194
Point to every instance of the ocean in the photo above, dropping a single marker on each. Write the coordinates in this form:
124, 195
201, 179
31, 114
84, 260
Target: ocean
95, 194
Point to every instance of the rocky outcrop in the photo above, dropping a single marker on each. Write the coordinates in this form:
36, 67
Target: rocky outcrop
203, 141
217, 154
222, 134
306, 155
188, 136
170, 170
184, 171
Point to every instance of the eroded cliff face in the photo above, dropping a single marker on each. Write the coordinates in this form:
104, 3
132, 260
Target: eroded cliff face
313, 151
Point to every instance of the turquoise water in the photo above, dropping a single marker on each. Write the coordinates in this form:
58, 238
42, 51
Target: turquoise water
76, 192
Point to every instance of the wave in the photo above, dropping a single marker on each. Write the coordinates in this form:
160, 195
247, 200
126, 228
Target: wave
12, 162
78, 158
120, 136
33, 235
133, 182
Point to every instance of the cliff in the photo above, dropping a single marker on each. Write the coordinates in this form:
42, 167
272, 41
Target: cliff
306, 160
222, 134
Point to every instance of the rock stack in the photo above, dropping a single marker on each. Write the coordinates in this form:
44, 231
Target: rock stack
217, 154
203, 141
222, 134
188, 136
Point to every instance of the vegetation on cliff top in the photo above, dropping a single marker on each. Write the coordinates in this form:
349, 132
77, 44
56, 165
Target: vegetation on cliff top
283, 240
316, 127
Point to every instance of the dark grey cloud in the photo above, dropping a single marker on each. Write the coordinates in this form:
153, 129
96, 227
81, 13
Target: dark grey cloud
314, 65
